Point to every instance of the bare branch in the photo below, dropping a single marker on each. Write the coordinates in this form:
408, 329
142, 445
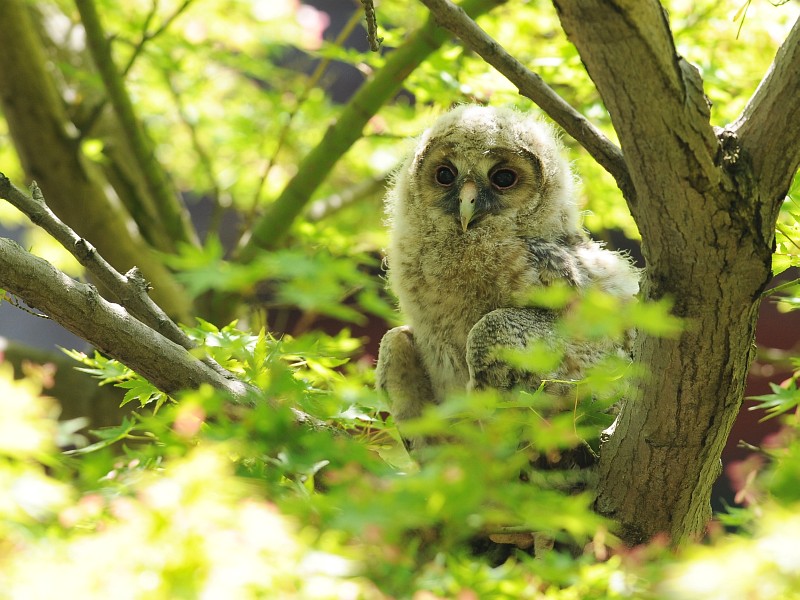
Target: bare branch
531, 85
80, 308
130, 290
769, 126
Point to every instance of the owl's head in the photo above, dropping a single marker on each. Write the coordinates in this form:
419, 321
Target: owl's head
479, 167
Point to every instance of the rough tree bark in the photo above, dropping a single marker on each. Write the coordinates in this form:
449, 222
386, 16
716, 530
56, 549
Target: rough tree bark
108, 326
707, 206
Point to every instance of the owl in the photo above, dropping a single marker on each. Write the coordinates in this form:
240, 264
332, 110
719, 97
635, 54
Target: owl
481, 213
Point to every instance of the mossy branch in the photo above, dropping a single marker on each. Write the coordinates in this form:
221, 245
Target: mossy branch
269, 231
172, 214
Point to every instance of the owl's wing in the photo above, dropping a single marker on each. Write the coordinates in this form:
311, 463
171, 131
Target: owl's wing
553, 261
504, 329
497, 332
578, 264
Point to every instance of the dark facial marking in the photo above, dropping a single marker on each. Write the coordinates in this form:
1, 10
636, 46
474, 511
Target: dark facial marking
487, 202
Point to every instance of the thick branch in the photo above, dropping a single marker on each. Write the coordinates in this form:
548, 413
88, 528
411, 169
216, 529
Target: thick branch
704, 250
654, 97
769, 126
79, 308
269, 231
530, 85
173, 215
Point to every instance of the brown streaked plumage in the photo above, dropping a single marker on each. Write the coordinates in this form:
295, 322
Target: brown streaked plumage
480, 213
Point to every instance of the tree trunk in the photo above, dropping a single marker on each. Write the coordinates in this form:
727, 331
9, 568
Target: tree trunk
706, 213
658, 468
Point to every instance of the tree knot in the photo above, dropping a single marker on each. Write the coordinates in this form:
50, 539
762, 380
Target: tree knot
730, 149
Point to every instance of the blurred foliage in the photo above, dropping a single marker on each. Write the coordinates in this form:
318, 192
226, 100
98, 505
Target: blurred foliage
206, 499
193, 497
787, 250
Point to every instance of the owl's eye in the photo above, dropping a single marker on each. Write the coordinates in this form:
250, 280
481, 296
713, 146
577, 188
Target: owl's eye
445, 176
503, 179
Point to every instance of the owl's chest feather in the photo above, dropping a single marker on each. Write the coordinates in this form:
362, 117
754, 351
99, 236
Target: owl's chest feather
446, 285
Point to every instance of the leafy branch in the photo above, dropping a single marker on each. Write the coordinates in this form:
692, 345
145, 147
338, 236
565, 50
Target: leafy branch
130, 290
49, 149
147, 36
80, 309
135, 332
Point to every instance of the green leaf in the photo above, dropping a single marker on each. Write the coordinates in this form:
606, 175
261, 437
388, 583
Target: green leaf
107, 370
655, 318
782, 400
142, 390
108, 437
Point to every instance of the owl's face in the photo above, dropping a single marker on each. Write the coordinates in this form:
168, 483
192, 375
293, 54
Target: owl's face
470, 184
480, 167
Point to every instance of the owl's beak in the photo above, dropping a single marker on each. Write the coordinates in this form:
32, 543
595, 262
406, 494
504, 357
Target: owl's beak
466, 197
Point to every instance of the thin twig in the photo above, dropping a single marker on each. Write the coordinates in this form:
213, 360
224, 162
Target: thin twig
757, 449
172, 213
150, 36
202, 154
531, 85
321, 209
372, 26
18, 303
147, 36
780, 288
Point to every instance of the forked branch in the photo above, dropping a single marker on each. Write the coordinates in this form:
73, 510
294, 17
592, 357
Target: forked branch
130, 290
109, 327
